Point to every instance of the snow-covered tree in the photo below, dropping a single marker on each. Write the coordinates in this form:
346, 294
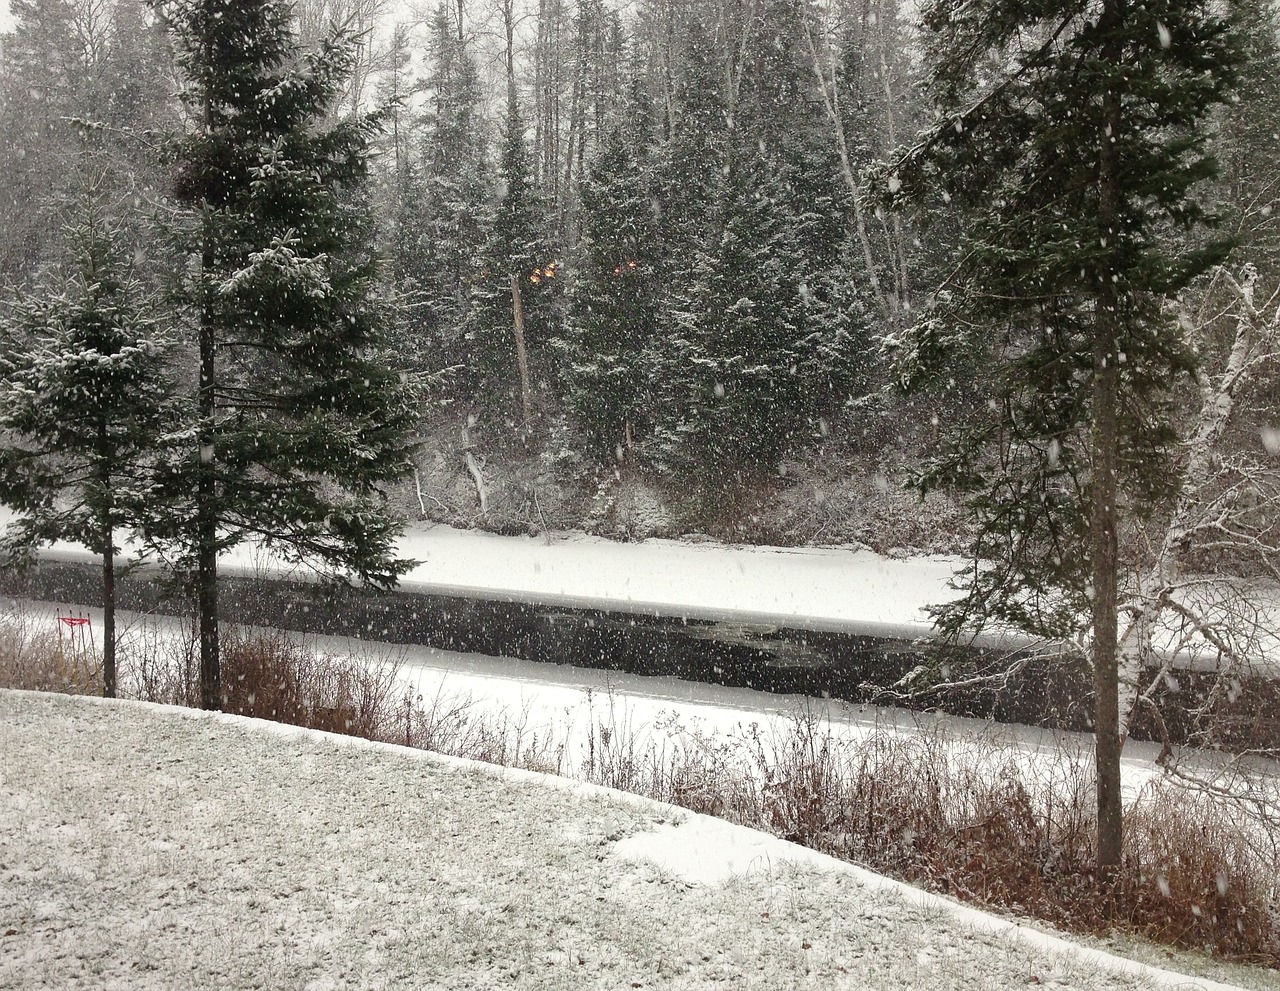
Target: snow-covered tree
297, 423
756, 352
445, 209
84, 404
614, 297
515, 296
762, 340
1204, 583
1069, 140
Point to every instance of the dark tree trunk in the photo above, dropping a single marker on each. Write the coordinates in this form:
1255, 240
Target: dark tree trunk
206, 502
1103, 490
108, 615
107, 536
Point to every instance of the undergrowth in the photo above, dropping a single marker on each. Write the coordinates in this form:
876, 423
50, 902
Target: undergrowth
972, 817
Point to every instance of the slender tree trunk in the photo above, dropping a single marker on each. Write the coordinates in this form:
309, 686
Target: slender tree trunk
107, 538
898, 251
831, 102
1103, 490
522, 357
108, 615
206, 499
1103, 519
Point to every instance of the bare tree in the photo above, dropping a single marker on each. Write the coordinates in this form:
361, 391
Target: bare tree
1210, 588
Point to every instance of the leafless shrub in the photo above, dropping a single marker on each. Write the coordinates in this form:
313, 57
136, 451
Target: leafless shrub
37, 653
270, 675
1196, 874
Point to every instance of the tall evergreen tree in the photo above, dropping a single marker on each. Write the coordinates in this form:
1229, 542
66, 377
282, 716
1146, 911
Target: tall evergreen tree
446, 212
297, 425
84, 402
1068, 138
519, 281
757, 351
764, 338
45, 84
1248, 139
614, 299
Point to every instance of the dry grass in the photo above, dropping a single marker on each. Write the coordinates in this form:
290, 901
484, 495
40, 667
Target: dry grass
36, 656
972, 817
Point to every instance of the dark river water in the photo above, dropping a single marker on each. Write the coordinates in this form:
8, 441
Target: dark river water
1048, 692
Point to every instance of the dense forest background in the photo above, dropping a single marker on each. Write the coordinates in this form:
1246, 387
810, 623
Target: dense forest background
632, 248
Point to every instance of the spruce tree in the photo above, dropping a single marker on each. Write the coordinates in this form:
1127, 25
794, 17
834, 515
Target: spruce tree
763, 327
518, 268
84, 404
45, 84
297, 424
614, 297
446, 214
1069, 141
758, 352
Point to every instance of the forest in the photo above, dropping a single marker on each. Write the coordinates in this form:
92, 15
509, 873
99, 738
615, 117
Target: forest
709, 284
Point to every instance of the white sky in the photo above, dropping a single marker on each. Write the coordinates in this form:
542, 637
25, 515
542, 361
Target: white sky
6, 19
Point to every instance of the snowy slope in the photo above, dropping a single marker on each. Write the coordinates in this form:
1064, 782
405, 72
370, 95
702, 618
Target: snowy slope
808, 588
149, 847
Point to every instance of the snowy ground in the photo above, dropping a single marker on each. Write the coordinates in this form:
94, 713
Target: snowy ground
149, 847
565, 706
808, 588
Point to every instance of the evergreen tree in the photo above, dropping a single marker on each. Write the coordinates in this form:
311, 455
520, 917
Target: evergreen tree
446, 210
519, 276
764, 327
44, 87
1248, 140
694, 161
613, 303
297, 425
1069, 141
84, 401
757, 353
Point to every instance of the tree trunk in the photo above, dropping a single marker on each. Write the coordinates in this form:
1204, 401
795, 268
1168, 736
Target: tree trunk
1103, 488
108, 616
107, 537
206, 501
1102, 527
522, 356
831, 102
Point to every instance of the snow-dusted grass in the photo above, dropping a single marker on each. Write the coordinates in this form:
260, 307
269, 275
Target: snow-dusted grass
151, 847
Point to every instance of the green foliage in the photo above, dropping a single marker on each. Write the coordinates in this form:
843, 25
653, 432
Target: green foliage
1017, 154
614, 300
442, 205
84, 402
299, 423
517, 247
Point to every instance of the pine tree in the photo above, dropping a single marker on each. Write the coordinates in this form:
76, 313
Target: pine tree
614, 299
84, 403
764, 328
297, 424
519, 283
758, 354
1248, 140
1068, 140
44, 86
447, 207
